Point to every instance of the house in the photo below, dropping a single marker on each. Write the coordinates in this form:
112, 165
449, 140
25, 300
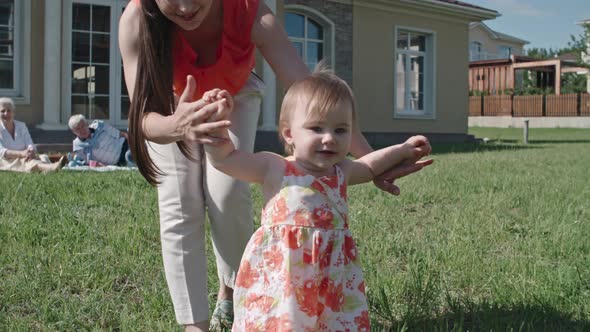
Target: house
406, 61
495, 73
501, 76
487, 44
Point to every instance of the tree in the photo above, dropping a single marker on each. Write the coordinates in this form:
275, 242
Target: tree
580, 45
541, 53
571, 82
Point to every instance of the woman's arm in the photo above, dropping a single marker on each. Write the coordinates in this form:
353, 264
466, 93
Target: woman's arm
271, 39
13, 154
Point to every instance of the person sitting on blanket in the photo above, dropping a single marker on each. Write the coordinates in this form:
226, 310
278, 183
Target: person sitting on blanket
98, 144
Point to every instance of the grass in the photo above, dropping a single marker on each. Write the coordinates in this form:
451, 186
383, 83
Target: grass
492, 237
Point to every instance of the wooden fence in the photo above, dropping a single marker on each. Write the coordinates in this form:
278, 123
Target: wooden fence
575, 104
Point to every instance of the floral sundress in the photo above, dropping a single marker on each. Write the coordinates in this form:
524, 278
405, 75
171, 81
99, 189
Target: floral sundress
300, 271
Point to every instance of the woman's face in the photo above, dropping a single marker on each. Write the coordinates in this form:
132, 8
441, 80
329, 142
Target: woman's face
187, 14
6, 114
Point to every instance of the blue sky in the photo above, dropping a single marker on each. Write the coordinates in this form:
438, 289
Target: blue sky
544, 23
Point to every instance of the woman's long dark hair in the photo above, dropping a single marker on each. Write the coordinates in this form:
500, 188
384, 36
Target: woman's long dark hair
153, 85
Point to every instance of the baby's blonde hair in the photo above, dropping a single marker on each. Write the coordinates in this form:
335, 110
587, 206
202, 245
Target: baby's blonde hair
320, 92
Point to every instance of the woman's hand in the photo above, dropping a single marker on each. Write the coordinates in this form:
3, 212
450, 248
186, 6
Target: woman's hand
191, 117
28, 154
421, 148
386, 180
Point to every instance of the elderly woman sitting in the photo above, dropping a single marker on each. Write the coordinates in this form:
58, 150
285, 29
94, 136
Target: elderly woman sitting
17, 152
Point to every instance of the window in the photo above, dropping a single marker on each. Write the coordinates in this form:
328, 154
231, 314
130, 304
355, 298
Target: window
504, 51
311, 33
414, 74
95, 85
475, 51
13, 57
90, 60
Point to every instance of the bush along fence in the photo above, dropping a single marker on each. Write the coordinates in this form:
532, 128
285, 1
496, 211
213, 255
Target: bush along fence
575, 104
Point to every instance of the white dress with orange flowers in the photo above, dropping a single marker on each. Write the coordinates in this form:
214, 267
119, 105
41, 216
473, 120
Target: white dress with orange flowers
300, 270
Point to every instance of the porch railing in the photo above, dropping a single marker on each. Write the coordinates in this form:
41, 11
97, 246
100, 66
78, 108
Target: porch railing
570, 105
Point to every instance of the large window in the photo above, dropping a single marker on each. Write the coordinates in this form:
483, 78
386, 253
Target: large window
91, 36
96, 84
311, 33
414, 74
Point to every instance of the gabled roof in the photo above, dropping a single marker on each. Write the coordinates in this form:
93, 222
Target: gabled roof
497, 35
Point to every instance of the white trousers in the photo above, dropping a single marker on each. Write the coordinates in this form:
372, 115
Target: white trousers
189, 191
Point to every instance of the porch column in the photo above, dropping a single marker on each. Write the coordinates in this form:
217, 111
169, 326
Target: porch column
269, 103
52, 67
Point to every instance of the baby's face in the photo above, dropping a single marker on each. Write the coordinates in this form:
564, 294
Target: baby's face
320, 142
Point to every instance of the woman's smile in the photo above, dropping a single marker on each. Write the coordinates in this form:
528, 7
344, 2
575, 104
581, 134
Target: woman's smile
188, 17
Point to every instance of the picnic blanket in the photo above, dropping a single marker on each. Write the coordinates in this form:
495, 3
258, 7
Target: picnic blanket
109, 168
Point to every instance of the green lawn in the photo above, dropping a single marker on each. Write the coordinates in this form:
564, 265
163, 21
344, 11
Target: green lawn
493, 236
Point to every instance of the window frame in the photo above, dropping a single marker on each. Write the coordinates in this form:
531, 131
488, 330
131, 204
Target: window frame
327, 25
429, 109
20, 92
115, 72
501, 51
478, 55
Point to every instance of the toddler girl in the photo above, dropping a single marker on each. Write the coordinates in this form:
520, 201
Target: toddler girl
301, 271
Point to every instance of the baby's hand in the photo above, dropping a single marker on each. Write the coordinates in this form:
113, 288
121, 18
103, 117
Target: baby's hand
418, 147
226, 103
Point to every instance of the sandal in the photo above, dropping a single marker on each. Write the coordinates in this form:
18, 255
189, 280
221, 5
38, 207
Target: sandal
222, 318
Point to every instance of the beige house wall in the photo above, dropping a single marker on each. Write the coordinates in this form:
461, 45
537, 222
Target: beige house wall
491, 45
31, 112
373, 66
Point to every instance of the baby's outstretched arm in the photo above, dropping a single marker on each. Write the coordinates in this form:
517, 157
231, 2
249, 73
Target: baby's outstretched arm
246, 166
365, 169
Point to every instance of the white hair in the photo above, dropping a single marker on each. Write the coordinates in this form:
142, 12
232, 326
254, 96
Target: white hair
6, 101
75, 120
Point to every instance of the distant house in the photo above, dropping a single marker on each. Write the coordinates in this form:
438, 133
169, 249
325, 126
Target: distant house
496, 65
487, 44
405, 60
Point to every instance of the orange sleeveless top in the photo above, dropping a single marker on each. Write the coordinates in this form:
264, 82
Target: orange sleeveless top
235, 53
